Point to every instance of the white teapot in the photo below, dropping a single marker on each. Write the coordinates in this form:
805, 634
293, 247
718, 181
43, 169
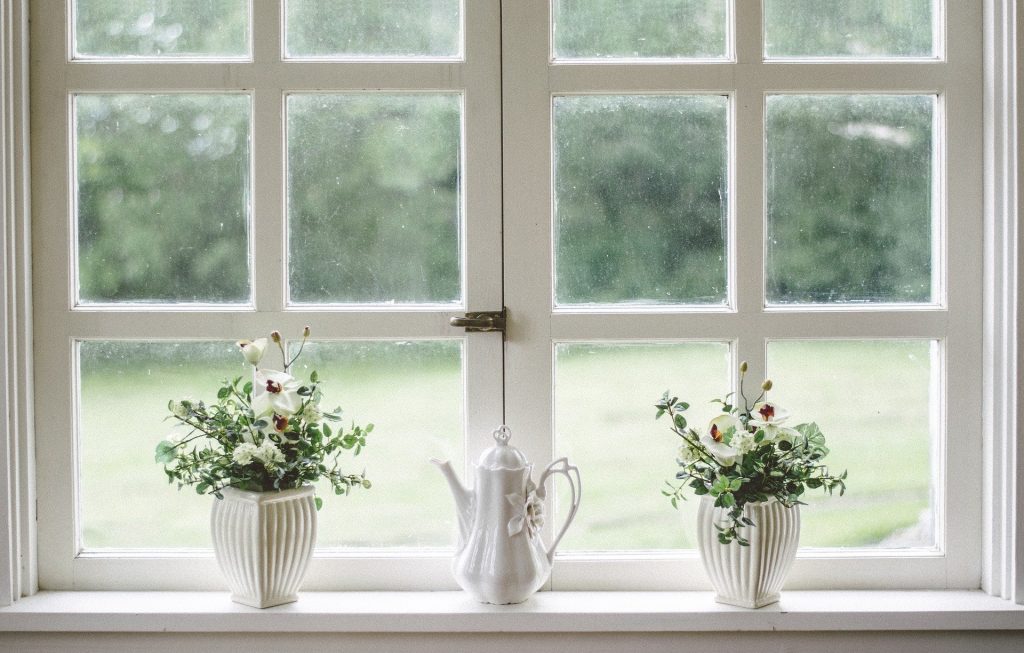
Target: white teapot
500, 557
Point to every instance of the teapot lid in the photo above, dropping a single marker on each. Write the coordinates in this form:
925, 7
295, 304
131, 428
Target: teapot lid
502, 455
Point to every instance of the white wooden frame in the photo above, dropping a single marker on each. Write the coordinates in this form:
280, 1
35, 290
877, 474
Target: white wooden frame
532, 79
268, 78
1003, 521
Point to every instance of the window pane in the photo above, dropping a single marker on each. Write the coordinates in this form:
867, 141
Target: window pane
849, 28
638, 29
125, 386
125, 500
850, 211
163, 198
412, 391
640, 199
604, 423
374, 28
158, 28
873, 401
374, 198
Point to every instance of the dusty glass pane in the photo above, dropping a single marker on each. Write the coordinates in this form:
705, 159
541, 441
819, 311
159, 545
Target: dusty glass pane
639, 29
412, 392
873, 402
849, 186
867, 29
374, 208
125, 500
641, 188
373, 28
163, 198
125, 386
161, 28
604, 423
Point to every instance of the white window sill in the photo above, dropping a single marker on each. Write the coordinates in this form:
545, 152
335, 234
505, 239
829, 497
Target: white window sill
447, 612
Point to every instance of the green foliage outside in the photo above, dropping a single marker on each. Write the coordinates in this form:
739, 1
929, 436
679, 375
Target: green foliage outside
391, 28
163, 197
374, 199
848, 28
154, 28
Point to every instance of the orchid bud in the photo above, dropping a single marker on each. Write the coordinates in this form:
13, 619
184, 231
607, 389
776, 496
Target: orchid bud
305, 332
253, 350
767, 385
743, 367
275, 336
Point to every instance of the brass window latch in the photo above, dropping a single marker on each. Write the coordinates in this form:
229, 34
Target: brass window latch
481, 321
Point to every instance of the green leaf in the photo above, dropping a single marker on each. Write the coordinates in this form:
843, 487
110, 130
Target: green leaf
166, 452
317, 500
679, 421
224, 392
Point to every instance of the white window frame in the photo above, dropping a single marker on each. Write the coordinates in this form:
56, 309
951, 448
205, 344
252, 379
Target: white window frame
532, 78
1002, 523
267, 77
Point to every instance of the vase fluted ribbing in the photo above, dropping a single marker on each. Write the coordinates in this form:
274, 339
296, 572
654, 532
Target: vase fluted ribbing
749, 576
263, 542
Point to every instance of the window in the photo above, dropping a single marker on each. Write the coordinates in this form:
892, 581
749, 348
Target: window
655, 189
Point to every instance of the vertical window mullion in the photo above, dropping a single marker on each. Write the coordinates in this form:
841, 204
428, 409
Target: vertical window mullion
268, 234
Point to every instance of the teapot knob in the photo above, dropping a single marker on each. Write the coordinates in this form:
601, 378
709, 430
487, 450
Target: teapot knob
502, 435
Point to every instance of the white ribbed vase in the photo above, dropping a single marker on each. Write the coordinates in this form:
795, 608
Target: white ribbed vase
749, 576
264, 542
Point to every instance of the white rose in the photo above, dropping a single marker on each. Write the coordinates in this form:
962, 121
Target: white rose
243, 453
275, 392
253, 349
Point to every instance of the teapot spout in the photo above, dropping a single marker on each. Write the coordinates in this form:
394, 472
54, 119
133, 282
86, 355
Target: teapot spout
463, 497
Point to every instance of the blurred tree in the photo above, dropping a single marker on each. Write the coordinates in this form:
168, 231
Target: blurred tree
374, 184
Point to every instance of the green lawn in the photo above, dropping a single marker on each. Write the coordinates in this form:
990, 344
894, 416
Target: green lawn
871, 400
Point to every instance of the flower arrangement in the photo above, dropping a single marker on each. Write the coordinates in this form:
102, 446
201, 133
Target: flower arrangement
261, 435
746, 456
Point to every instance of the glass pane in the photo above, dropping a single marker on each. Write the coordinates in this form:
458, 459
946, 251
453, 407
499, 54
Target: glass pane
158, 28
850, 208
641, 187
640, 29
873, 401
126, 501
374, 28
412, 392
374, 198
849, 28
604, 423
163, 198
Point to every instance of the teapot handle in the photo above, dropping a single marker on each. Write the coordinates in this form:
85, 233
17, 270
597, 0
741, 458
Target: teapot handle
572, 473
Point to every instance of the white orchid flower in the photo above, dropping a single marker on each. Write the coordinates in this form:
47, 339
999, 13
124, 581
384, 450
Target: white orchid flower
722, 424
768, 414
253, 349
275, 393
723, 453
